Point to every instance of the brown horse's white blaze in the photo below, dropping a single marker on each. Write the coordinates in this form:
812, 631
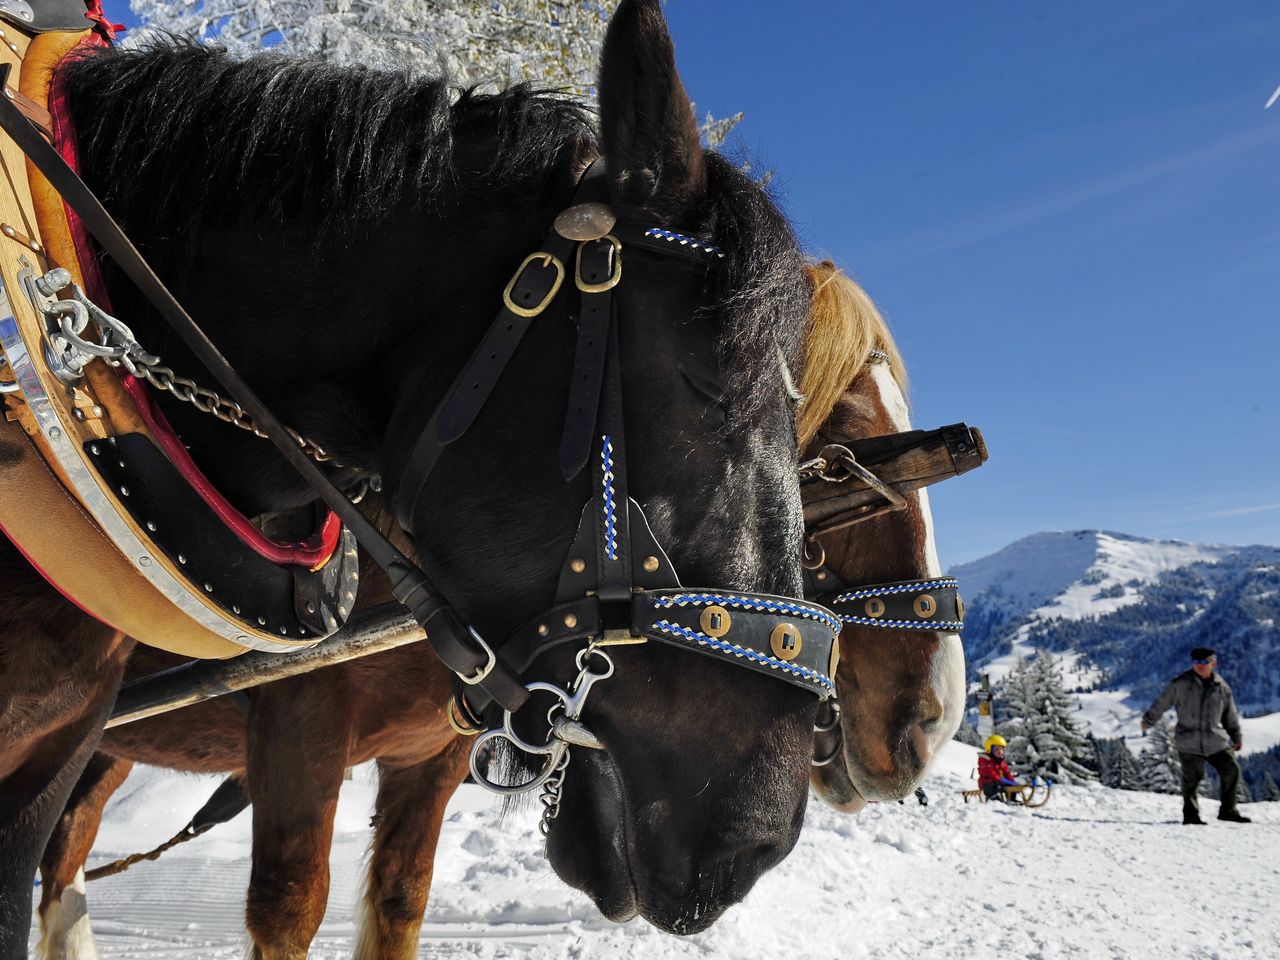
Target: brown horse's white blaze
901, 691
948, 659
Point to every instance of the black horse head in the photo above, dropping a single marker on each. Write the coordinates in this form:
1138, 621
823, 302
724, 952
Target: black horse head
345, 236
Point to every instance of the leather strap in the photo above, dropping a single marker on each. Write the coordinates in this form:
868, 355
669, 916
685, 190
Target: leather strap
599, 264
613, 513
531, 290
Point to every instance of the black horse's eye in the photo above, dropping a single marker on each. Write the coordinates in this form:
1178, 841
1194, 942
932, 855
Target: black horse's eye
706, 385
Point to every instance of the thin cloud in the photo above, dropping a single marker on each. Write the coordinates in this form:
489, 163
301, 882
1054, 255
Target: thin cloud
958, 236
1180, 519
1274, 97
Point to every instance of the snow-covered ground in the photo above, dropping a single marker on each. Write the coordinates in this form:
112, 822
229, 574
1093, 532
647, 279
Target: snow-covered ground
1094, 874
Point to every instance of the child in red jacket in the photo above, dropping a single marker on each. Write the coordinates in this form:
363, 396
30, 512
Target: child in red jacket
993, 772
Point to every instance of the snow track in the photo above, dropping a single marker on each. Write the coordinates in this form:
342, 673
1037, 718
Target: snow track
1095, 874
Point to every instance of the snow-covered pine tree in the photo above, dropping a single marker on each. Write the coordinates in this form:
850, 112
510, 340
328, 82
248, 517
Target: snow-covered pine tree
967, 733
1268, 789
1242, 792
1160, 770
1128, 775
1117, 766
1042, 733
1012, 700
548, 43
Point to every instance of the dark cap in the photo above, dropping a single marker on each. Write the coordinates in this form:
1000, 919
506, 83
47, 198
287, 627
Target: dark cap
1202, 653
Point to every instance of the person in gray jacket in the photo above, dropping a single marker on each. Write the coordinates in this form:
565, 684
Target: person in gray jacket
1208, 730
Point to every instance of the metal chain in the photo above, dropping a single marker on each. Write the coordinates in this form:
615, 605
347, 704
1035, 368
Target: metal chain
207, 401
119, 348
551, 792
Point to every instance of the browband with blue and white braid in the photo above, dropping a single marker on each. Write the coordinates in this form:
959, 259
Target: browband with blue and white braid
745, 653
766, 604
890, 589
932, 604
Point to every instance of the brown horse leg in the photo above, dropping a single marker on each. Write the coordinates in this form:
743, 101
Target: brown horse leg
64, 921
59, 673
410, 811
299, 735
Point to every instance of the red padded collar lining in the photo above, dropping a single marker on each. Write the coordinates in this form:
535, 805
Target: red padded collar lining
312, 553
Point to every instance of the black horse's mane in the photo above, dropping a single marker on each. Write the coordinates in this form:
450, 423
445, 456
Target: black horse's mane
191, 135
180, 138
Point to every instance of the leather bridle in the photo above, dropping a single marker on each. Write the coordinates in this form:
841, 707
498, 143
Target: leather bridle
840, 489
616, 586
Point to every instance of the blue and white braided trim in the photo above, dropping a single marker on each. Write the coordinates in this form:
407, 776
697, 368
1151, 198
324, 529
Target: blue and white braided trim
610, 513
749, 603
941, 626
900, 588
685, 241
722, 646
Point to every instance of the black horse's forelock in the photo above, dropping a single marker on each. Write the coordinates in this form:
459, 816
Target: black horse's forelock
181, 138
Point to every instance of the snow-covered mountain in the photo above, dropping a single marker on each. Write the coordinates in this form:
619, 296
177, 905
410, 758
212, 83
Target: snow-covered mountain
1122, 612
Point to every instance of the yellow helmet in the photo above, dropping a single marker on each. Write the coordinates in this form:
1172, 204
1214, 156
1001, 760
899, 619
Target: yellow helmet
995, 740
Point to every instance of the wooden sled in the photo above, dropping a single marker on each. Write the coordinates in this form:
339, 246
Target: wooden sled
1031, 795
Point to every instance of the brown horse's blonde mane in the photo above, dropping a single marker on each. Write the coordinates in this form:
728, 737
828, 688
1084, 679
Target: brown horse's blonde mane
844, 327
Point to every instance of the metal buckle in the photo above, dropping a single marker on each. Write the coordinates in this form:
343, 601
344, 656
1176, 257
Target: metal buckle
461, 723
613, 280
619, 638
547, 260
481, 674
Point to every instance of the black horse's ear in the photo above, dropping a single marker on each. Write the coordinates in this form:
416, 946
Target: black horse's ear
651, 138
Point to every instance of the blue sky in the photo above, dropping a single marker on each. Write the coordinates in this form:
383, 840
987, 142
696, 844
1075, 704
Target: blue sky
1070, 214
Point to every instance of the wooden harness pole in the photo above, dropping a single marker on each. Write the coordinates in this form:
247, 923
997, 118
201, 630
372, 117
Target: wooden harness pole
379, 629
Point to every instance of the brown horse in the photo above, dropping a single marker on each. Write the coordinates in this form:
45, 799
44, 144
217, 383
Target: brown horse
901, 692
293, 725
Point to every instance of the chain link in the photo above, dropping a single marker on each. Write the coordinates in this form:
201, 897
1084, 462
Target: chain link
834, 464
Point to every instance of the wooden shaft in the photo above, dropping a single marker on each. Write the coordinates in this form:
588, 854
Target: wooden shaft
382, 628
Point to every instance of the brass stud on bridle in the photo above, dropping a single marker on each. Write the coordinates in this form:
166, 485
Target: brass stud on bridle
786, 641
875, 608
925, 607
715, 621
